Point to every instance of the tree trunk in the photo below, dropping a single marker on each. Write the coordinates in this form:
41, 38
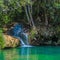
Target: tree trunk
27, 15
30, 14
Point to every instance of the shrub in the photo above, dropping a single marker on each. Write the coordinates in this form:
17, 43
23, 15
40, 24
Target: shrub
1, 39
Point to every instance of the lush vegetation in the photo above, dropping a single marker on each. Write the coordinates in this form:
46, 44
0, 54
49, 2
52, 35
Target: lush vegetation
38, 14
1, 39
32, 10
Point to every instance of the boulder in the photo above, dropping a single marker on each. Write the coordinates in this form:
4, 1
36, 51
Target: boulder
11, 41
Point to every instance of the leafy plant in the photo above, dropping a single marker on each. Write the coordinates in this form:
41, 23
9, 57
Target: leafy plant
1, 39
33, 33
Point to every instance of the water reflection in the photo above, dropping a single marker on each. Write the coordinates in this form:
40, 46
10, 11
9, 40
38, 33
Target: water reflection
31, 53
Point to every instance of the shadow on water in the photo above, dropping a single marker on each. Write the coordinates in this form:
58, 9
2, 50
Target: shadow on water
31, 53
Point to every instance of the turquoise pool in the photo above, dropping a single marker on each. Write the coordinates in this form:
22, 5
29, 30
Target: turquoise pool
31, 53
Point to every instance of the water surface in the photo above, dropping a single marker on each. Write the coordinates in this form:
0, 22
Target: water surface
31, 53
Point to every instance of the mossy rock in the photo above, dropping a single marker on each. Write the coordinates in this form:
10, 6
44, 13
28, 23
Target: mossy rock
32, 34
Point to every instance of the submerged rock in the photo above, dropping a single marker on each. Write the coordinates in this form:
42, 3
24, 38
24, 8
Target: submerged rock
11, 41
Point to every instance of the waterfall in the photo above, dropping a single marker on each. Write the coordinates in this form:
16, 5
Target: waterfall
19, 33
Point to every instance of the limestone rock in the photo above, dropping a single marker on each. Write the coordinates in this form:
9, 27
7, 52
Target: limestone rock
11, 41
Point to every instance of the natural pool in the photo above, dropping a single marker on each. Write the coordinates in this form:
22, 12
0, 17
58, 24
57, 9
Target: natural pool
31, 53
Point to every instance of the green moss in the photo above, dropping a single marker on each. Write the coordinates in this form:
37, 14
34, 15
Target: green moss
32, 33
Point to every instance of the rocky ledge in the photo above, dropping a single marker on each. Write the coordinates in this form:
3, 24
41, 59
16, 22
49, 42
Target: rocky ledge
11, 41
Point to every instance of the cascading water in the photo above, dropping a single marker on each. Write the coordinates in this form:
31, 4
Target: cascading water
19, 33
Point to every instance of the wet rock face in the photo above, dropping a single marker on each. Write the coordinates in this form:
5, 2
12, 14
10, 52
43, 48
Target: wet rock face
11, 41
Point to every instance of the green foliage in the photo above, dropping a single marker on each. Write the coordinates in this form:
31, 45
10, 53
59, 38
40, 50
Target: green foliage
33, 33
1, 39
25, 2
13, 10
